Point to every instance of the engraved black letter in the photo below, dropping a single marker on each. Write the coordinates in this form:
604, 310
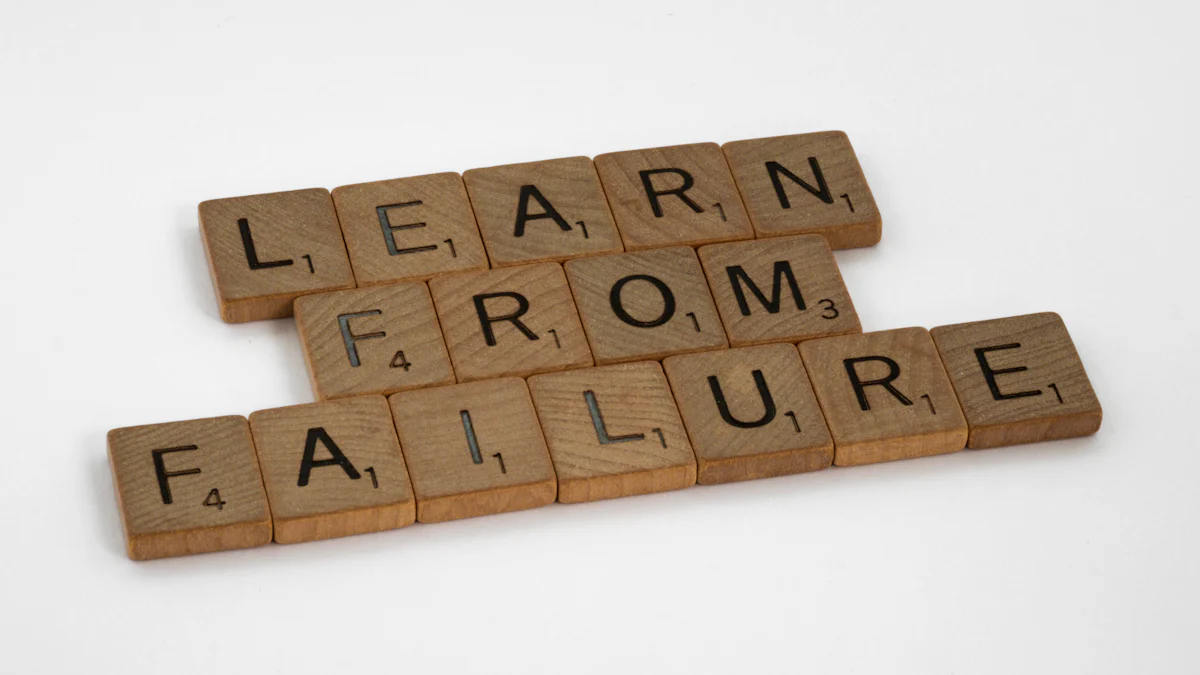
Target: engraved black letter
783, 268
653, 194
389, 230
990, 374
160, 470
548, 211
486, 321
614, 299
885, 382
252, 253
335, 456
775, 168
763, 392
349, 338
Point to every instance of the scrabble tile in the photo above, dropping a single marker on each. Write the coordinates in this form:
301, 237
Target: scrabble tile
264, 251
613, 431
885, 396
188, 487
473, 449
1019, 380
750, 412
776, 290
514, 321
542, 211
332, 469
645, 305
806, 184
682, 194
409, 229
372, 340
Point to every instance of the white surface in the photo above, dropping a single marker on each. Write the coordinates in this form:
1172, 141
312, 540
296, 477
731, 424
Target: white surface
1033, 156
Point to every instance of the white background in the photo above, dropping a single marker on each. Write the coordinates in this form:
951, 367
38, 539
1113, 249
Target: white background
1028, 157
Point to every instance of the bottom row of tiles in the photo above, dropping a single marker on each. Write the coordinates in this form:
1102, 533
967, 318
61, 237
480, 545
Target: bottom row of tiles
367, 464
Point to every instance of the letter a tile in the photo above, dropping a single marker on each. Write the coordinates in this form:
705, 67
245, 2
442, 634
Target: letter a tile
776, 290
332, 469
542, 211
806, 184
645, 305
409, 229
264, 251
188, 487
1019, 380
885, 396
613, 432
473, 449
514, 321
751, 413
373, 340
673, 196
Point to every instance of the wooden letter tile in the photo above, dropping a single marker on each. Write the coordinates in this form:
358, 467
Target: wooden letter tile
751, 413
1019, 380
677, 195
373, 340
409, 229
613, 432
514, 321
188, 487
473, 449
781, 289
266, 250
542, 211
645, 305
885, 396
806, 184
332, 469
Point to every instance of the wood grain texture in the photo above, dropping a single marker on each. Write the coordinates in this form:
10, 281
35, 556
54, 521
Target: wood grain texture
709, 210
741, 429
663, 305
631, 442
543, 335
1038, 389
409, 229
911, 411
507, 468
372, 340
332, 469
168, 507
836, 203
752, 284
551, 210
266, 250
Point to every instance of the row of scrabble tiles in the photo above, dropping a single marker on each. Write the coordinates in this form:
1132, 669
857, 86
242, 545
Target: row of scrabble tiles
369, 463
544, 317
266, 250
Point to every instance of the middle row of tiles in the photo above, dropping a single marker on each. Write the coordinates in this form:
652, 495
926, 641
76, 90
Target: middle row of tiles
520, 321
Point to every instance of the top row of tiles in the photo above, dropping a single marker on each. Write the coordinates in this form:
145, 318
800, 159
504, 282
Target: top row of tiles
264, 251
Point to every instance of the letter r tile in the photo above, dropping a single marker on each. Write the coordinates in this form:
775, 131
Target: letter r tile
264, 251
885, 396
679, 195
1019, 380
513, 321
372, 340
613, 431
188, 487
